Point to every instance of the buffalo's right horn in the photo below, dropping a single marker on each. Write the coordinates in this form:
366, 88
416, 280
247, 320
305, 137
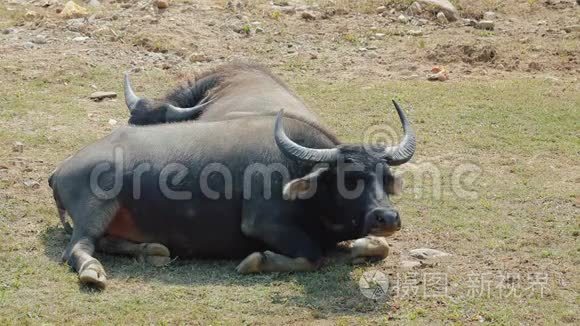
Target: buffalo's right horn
130, 98
299, 152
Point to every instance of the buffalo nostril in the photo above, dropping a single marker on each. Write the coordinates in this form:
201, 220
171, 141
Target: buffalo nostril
379, 218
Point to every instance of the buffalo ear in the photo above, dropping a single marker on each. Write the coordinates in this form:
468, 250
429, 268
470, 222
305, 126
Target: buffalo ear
395, 187
305, 187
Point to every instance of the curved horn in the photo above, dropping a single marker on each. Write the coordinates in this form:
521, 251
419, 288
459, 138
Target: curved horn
402, 153
299, 152
175, 113
130, 98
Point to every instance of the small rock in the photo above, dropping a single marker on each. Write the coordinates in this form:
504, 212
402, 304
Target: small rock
381, 9
441, 5
362, 49
534, 66
380, 36
403, 19
414, 9
80, 38
485, 24
30, 15
308, 15
32, 184
162, 4
18, 147
197, 57
371, 47
259, 30
112, 122
426, 253
313, 55
415, 32
440, 76
39, 39
410, 264
442, 19
542, 22
469, 22
489, 15
572, 28
7, 31
99, 96
94, 3
72, 10
436, 69
29, 45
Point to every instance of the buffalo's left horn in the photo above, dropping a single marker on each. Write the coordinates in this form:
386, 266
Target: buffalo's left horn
130, 98
402, 153
296, 151
175, 113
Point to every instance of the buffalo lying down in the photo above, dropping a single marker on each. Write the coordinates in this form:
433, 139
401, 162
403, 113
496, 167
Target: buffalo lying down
273, 184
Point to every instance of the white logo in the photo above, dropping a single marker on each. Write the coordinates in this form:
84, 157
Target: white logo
374, 285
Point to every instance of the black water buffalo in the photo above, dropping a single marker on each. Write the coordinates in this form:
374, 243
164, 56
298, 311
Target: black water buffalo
229, 91
232, 188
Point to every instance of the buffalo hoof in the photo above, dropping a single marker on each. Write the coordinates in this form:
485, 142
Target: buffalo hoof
156, 254
93, 275
370, 247
251, 264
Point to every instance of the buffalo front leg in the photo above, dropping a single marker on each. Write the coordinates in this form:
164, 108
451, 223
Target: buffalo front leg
155, 254
268, 261
295, 251
369, 247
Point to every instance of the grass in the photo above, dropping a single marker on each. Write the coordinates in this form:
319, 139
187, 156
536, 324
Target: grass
522, 133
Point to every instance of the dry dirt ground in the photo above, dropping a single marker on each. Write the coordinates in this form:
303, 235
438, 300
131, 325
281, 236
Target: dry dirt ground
509, 113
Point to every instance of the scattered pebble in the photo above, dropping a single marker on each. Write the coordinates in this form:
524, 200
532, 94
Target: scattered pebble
441, 5
426, 253
440, 76
99, 96
380, 35
162, 4
415, 32
313, 55
32, 184
18, 147
489, 15
534, 66
29, 45
94, 3
414, 9
72, 10
381, 9
308, 15
442, 19
7, 31
572, 28
30, 15
403, 19
197, 57
485, 24
112, 122
39, 39
80, 38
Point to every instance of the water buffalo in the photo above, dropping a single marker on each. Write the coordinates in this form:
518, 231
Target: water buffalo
265, 188
229, 91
